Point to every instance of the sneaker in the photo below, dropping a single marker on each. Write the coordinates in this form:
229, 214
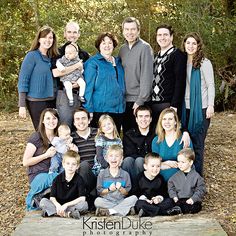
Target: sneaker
102, 212
44, 214
176, 210
132, 211
74, 214
140, 213
71, 103
81, 99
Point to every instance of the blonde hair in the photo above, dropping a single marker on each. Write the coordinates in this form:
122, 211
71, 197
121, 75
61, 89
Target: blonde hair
116, 148
71, 154
63, 127
187, 153
102, 119
160, 130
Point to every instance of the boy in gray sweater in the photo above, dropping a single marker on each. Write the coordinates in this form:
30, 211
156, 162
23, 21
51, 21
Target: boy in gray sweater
186, 187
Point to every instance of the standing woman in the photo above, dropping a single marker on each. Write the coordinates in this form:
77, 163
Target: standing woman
38, 153
36, 85
105, 86
199, 95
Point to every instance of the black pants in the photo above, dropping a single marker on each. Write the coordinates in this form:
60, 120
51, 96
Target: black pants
154, 209
187, 208
157, 108
35, 109
129, 120
117, 117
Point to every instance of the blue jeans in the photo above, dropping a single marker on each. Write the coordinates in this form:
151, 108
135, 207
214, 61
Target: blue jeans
64, 110
56, 163
133, 166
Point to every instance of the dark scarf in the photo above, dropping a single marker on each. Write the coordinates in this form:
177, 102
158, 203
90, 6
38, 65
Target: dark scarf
195, 123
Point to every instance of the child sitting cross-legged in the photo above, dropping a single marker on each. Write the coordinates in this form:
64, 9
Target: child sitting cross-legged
113, 185
186, 187
67, 197
152, 189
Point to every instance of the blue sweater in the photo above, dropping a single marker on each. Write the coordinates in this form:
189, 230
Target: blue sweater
35, 78
105, 89
168, 154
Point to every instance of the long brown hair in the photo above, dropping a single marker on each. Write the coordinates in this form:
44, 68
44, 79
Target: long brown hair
41, 127
159, 129
199, 54
42, 33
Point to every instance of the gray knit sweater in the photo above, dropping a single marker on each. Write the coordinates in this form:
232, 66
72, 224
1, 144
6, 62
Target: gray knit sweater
138, 66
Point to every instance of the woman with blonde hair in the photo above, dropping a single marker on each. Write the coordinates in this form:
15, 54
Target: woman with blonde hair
36, 85
107, 135
168, 142
199, 95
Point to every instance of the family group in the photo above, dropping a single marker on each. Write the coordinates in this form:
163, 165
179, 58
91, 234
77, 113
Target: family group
122, 135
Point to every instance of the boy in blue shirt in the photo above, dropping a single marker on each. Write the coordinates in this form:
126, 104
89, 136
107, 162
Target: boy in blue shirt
67, 198
113, 185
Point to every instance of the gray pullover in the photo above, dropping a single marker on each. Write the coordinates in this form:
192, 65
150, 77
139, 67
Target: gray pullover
138, 67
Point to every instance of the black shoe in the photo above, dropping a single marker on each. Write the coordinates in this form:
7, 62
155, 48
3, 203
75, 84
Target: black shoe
176, 210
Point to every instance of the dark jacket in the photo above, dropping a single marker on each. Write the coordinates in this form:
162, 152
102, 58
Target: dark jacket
137, 145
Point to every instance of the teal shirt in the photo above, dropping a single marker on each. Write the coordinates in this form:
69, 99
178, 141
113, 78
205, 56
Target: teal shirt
167, 154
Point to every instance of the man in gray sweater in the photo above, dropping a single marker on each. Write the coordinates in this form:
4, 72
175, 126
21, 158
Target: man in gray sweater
137, 60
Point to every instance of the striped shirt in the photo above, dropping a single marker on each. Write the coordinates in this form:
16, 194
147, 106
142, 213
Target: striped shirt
87, 149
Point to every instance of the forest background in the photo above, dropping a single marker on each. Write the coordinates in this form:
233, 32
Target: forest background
215, 20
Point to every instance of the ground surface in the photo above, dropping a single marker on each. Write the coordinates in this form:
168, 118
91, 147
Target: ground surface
220, 171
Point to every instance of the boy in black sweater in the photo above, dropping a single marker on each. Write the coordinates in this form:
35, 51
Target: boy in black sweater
153, 189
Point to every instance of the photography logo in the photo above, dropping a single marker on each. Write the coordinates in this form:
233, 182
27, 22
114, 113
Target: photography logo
116, 226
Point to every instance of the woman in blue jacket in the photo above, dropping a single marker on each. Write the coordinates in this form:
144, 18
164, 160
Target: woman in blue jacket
35, 85
105, 86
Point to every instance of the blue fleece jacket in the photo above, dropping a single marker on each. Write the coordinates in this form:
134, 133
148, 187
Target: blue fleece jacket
105, 89
35, 78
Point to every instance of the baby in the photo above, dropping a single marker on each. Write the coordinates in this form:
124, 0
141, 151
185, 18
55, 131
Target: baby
70, 58
62, 144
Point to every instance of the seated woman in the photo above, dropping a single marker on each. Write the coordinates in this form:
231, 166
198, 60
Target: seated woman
168, 142
105, 86
38, 154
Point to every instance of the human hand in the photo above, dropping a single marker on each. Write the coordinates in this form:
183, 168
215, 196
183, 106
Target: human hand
50, 152
22, 112
59, 211
112, 187
175, 199
209, 112
118, 185
185, 139
149, 201
157, 199
79, 65
135, 106
190, 201
174, 108
172, 164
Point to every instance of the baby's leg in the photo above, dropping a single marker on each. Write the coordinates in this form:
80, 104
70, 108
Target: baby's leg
68, 87
82, 86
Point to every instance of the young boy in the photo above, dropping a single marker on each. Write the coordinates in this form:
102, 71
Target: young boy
62, 144
152, 188
67, 198
186, 187
70, 58
113, 185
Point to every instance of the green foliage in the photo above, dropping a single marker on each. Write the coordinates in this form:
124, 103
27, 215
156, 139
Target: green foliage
213, 19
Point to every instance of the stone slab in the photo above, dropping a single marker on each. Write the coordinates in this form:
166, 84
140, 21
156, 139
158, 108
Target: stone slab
186, 225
